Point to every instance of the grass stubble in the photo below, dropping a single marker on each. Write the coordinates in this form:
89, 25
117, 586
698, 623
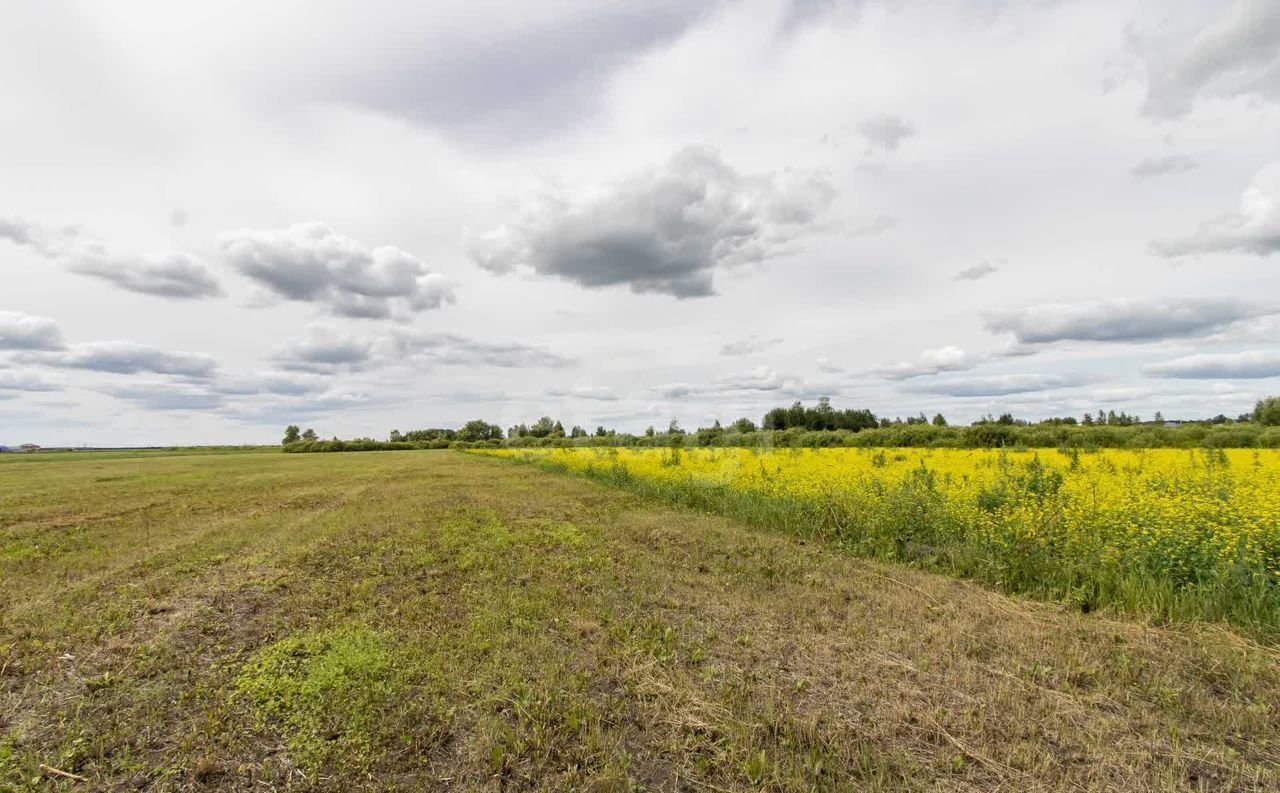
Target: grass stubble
438, 621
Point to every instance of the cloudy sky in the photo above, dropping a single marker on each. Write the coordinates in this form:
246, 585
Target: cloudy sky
219, 218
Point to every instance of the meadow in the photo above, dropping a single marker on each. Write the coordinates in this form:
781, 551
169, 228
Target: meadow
433, 620
1163, 533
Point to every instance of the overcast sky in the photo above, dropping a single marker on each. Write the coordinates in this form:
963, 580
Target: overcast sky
220, 218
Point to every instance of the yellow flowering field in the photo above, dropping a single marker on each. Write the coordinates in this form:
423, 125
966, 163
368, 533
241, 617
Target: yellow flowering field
1168, 532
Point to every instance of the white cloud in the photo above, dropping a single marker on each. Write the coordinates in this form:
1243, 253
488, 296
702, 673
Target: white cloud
999, 385
596, 393
310, 262
827, 366
165, 274
451, 348
760, 380
876, 225
1233, 365
1158, 166
1238, 54
1123, 319
30, 235
127, 357
667, 230
20, 331
977, 272
748, 346
1254, 228
941, 359
885, 132
419, 138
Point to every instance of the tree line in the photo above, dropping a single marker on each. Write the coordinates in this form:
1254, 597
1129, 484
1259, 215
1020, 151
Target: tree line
823, 425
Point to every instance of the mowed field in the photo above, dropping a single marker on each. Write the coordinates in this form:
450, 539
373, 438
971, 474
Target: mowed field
1166, 534
442, 621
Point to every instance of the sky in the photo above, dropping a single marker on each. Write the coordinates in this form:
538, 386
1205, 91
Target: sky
217, 219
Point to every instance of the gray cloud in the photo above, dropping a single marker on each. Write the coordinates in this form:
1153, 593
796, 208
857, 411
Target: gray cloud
931, 362
126, 357
595, 393
20, 331
309, 262
19, 380
1244, 365
276, 383
1122, 320
666, 230
998, 385
1254, 228
165, 274
886, 132
1237, 55
1156, 166
324, 350
18, 231
762, 379
876, 225
977, 272
499, 84
451, 348
282, 396
280, 410
156, 395
44, 241
748, 346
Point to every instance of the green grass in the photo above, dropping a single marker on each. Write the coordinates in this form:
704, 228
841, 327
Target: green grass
439, 621
82, 455
911, 522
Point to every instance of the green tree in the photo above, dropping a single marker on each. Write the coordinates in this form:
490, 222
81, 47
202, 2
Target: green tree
310, 435
290, 434
543, 427
1267, 411
939, 420
478, 430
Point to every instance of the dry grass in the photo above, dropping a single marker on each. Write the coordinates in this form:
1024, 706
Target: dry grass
423, 620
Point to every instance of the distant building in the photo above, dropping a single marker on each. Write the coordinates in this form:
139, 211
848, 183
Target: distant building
29, 447
1173, 425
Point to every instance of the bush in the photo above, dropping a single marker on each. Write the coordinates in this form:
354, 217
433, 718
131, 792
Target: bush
991, 435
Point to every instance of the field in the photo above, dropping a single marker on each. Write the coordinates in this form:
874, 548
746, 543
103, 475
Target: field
1163, 533
429, 620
